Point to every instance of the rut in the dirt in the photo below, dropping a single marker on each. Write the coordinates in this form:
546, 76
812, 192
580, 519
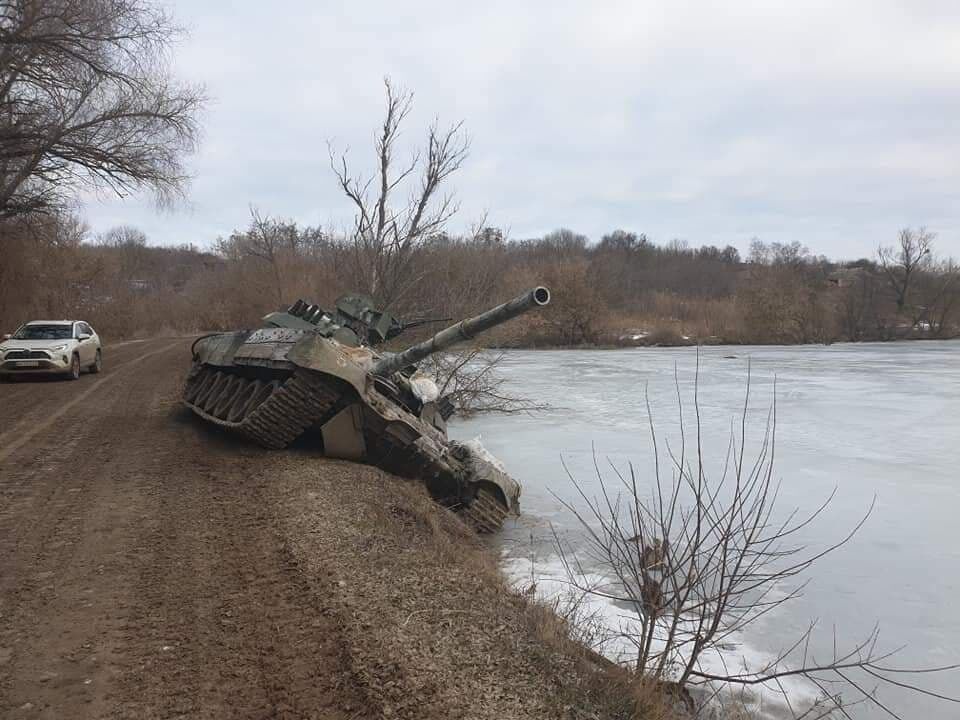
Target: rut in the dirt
142, 572
153, 566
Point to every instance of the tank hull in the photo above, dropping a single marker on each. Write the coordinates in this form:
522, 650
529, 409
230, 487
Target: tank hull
276, 384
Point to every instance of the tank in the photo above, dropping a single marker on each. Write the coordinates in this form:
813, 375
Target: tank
310, 372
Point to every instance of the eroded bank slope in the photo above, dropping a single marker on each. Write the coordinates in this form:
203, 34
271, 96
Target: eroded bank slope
151, 567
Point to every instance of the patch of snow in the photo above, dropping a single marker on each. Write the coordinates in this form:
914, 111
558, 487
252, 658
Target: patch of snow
476, 447
424, 388
613, 624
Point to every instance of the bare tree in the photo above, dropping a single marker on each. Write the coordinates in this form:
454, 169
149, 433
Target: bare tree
940, 296
271, 241
900, 264
386, 236
857, 298
471, 381
701, 559
87, 100
123, 236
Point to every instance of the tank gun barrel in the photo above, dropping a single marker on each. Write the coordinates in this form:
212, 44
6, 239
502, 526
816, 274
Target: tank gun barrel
418, 322
463, 330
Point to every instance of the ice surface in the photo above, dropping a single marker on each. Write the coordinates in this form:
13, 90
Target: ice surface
867, 419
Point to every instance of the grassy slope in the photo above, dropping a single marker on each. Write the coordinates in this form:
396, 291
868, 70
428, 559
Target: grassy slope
433, 631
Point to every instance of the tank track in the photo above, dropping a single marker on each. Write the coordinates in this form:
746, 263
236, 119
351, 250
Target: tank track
273, 413
485, 512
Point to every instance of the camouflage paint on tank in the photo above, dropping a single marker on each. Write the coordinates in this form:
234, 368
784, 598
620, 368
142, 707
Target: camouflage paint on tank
310, 371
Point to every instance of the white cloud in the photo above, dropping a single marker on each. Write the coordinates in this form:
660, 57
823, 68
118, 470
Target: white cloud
831, 123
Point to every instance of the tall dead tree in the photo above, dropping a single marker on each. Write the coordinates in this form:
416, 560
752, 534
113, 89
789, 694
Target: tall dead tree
87, 101
900, 264
387, 235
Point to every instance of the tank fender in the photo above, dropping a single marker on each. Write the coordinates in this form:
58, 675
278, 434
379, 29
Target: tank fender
323, 355
497, 491
219, 349
483, 473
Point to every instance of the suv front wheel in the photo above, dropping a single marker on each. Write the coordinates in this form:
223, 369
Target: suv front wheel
75, 368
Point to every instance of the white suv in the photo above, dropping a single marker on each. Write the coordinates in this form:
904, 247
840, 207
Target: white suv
51, 347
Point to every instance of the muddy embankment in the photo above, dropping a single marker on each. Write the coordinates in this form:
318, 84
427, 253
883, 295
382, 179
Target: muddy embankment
154, 567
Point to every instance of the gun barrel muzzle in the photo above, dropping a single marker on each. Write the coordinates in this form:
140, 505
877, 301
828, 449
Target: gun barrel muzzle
464, 330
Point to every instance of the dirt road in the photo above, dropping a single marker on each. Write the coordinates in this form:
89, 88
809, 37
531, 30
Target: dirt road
141, 573
154, 567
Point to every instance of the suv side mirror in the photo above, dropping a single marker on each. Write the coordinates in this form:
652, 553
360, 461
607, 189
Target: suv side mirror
84, 336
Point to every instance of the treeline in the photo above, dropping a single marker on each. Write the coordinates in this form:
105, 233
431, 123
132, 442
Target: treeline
621, 290
88, 103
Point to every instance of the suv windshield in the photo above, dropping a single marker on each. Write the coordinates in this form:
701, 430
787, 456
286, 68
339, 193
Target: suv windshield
44, 332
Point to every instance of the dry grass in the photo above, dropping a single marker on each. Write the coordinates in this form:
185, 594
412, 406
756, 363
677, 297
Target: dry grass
434, 630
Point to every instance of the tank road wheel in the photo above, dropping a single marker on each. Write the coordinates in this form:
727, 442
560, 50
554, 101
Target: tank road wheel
209, 386
238, 410
485, 512
196, 385
213, 396
227, 396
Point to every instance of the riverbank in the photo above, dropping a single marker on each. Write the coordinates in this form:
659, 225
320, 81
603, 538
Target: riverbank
431, 628
670, 340
152, 566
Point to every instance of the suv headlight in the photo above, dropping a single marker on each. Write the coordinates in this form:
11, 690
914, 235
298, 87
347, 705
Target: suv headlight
58, 348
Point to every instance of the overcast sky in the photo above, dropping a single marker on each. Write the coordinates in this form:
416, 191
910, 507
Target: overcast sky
832, 123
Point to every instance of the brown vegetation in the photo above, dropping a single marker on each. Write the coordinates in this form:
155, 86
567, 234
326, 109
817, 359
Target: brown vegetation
103, 63
623, 290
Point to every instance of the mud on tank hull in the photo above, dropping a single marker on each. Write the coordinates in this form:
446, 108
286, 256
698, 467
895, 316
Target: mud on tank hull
275, 384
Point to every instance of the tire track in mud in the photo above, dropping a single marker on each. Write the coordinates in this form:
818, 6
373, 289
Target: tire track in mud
52, 503
244, 634
144, 572
25, 394
22, 438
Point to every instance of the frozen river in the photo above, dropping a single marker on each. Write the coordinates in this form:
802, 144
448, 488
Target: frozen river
871, 420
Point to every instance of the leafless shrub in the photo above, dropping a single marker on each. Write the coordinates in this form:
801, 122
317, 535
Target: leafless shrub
701, 559
471, 381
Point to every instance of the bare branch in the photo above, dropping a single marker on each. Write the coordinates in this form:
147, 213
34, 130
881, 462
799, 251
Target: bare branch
700, 567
